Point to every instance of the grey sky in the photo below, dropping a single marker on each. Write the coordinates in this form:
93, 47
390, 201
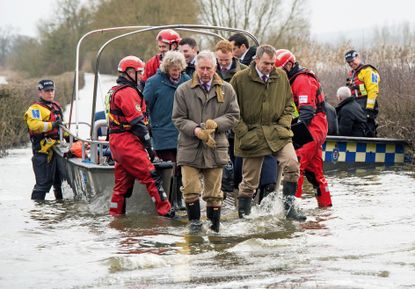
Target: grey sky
327, 15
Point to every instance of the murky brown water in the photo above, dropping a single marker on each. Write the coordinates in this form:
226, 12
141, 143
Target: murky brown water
367, 240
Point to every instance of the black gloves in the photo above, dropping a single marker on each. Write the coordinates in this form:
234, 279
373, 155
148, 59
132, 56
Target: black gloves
56, 124
149, 149
306, 114
371, 113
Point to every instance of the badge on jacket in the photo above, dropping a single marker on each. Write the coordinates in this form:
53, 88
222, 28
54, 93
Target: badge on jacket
374, 78
302, 99
35, 113
138, 107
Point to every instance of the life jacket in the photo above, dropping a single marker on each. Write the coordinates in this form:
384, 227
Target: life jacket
116, 120
43, 142
55, 114
319, 99
358, 87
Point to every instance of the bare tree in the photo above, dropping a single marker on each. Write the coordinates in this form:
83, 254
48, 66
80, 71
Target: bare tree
6, 42
268, 20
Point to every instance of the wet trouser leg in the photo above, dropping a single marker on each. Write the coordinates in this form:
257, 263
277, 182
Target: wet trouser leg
130, 153
175, 194
192, 189
291, 169
251, 169
268, 177
43, 171
311, 165
57, 179
124, 183
319, 182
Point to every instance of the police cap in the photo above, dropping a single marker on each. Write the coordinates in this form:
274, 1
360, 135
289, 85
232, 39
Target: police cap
350, 55
46, 84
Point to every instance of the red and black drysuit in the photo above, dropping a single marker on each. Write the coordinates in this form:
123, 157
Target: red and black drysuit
130, 147
309, 99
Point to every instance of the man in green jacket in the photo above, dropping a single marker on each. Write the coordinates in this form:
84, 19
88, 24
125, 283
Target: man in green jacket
265, 102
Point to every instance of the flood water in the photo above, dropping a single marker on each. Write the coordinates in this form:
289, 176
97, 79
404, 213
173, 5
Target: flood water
366, 240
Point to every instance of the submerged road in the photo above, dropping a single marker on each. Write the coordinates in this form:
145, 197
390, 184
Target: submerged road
367, 240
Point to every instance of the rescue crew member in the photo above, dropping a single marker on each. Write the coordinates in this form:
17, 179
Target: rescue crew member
265, 100
309, 100
130, 141
167, 39
204, 109
43, 119
159, 96
363, 80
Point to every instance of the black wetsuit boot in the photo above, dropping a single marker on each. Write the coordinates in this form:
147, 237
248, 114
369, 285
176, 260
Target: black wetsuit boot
58, 193
244, 206
38, 195
213, 214
288, 191
265, 191
193, 213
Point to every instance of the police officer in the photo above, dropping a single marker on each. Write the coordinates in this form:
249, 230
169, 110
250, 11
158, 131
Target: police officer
363, 80
43, 119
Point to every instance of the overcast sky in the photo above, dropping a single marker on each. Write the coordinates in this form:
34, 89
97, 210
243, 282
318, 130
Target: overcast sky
327, 15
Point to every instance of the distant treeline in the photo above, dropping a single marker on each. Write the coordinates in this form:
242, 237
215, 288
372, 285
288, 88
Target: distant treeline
282, 24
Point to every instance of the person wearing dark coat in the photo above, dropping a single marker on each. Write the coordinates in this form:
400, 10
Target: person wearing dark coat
188, 47
159, 96
331, 114
351, 117
241, 48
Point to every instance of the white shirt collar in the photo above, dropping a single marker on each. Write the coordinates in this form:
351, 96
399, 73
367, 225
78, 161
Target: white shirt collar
260, 73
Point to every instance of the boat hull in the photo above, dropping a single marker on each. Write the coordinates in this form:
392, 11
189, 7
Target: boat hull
94, 183
362, 150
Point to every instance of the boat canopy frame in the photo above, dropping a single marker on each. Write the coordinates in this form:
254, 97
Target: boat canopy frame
93, 142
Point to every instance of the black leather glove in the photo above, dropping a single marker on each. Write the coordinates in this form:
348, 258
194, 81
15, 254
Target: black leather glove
371, 113
149, 149
306, 114
56, 124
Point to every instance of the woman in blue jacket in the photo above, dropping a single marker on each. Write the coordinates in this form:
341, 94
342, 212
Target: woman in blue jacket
159, 96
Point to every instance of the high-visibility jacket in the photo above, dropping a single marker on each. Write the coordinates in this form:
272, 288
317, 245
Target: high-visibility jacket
365, 83
39, 118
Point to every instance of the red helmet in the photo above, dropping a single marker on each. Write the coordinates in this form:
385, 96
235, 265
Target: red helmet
168, 36
283, 57
131, 62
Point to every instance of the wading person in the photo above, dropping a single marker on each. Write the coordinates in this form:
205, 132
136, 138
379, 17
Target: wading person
228, 66
130, 142
265, 100
167, 40
204, 109
43, 119
309, 100
159, 96
363, 80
